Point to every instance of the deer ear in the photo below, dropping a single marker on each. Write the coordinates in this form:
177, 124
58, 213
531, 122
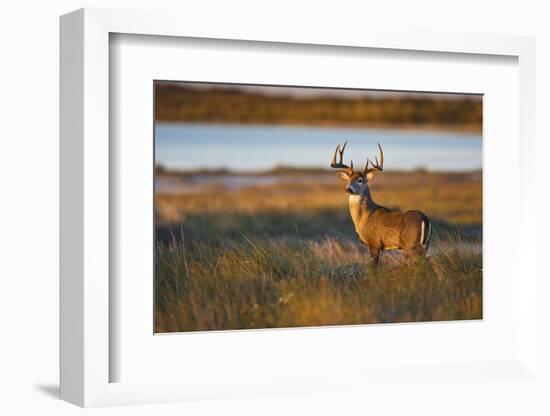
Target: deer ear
370, 176
343, 175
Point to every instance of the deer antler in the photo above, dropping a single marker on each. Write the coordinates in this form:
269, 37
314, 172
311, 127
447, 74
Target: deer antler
379, 166
340, 164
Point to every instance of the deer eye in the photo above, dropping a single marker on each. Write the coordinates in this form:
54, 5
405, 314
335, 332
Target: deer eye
360, 180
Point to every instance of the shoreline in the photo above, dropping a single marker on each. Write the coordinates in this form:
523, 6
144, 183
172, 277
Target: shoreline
289, 171
464, 128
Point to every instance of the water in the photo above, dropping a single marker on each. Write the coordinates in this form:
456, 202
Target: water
197, 182
189, 146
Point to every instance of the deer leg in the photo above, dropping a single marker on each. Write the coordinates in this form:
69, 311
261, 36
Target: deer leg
414, 252
375, 254
413, 255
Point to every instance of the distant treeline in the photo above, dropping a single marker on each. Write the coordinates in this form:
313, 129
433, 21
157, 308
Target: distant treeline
180, 103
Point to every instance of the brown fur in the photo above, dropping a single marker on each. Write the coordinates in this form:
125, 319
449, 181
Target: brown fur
380, 228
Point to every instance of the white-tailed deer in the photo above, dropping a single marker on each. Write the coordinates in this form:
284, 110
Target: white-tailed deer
380, 228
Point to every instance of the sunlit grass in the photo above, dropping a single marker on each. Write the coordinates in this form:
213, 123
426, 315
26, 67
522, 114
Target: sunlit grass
287, 255
276, 283
453, 198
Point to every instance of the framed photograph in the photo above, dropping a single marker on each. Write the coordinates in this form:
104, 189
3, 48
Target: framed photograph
273, 214
255, 230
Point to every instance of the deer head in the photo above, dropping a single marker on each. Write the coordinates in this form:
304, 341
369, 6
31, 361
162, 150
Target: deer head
357, 181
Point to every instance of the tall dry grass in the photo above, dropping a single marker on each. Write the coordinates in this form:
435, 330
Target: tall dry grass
287, 283
286, 255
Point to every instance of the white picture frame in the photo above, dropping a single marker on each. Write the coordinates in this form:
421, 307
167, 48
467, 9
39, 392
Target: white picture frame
86, 166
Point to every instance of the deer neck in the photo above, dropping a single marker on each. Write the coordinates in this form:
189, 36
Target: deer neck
361, 206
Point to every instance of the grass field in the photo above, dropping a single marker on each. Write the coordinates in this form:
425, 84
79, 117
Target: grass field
286, 255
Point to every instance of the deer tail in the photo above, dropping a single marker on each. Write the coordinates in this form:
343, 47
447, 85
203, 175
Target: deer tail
425, 232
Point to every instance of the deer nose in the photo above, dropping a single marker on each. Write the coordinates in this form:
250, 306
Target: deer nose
348, 189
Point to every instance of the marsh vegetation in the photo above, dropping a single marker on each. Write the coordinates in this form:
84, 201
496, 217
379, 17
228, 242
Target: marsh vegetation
283, 252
